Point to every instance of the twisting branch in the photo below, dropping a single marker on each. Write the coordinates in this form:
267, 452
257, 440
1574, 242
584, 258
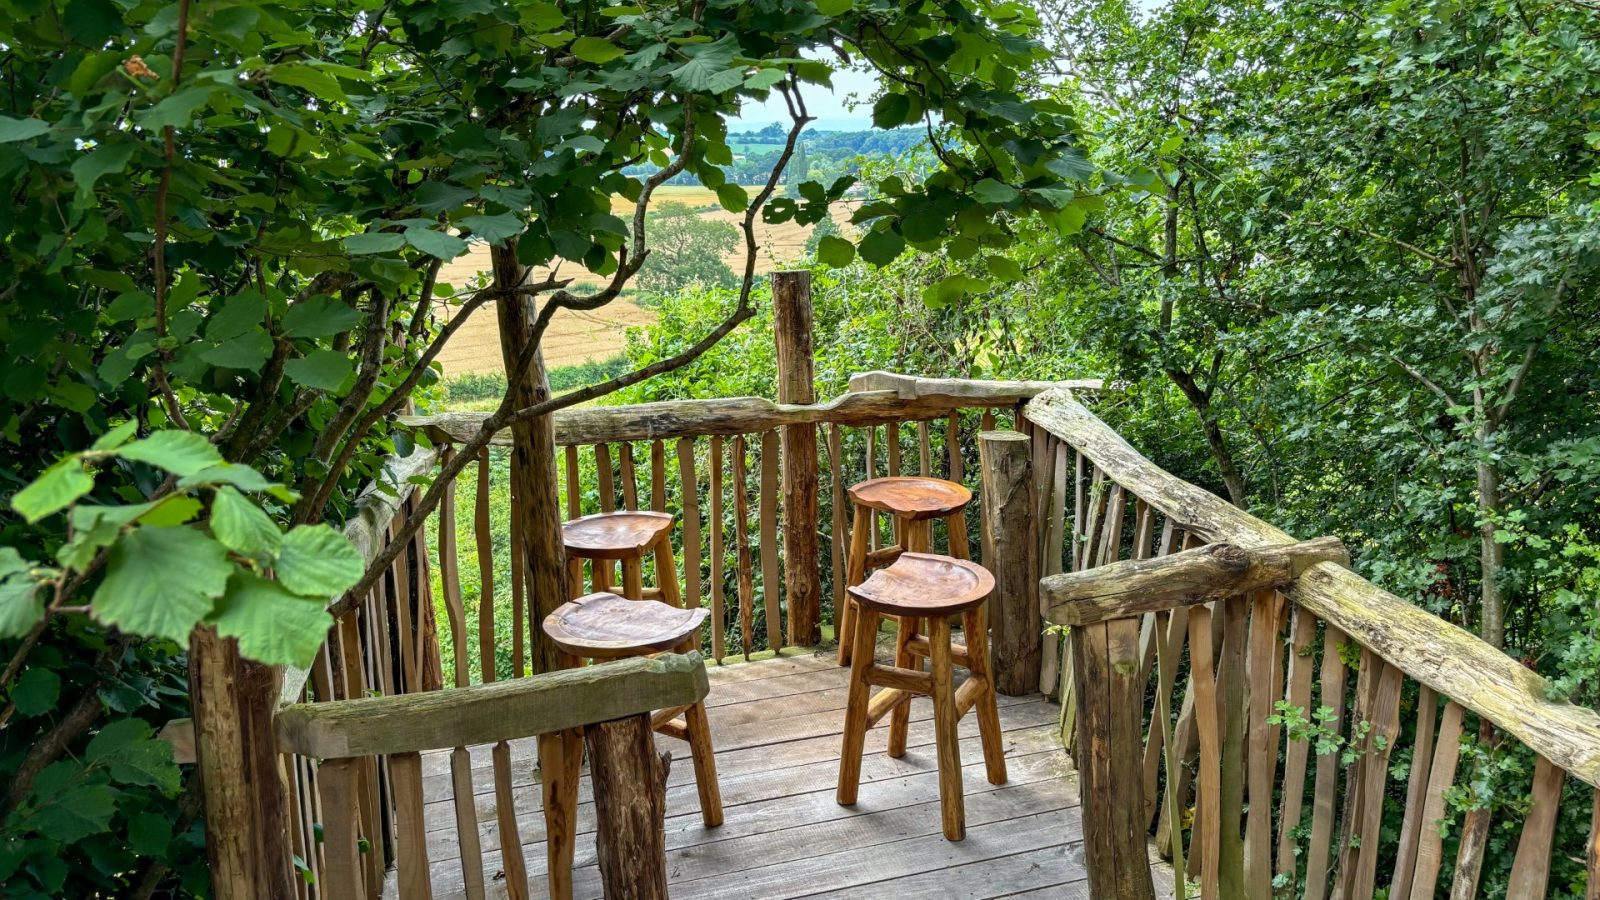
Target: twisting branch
158, 371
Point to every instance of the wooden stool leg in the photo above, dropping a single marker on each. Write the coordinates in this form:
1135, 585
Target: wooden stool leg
855, 709
633, 579
975, 624
667, 572
900, 717
705, 764
855, 573
952, 804
956, 526
560, 757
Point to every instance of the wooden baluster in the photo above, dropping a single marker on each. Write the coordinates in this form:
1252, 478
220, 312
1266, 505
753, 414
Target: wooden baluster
1105, 663
1168, 644
460, 761
871, 473
986, 421
689, 484
1303, 631
1592, 851
1416, 794
608, 488
1207, 839
630, 479
1530, 871
1007, 512
841, 534
400, 608
1232, 688
512, 863
1266, 657
1054, 667
666, 571
405, 774
952, 446
1375, 776
518, 588
574, 489
1366, 697
771, 578
1331, 687
1441, 775
345, 872
1474, 837
925, 448
485, 542
719, 622
1157, 637
741, 529
891, 448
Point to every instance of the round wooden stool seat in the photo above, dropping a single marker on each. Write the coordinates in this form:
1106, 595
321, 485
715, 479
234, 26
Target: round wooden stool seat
925, 584
912, 498
625, 534
606, 626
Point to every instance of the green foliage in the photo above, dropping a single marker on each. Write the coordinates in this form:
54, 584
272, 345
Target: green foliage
687, 251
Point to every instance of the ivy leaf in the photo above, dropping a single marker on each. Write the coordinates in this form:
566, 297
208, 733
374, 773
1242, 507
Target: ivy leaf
179, 452
881, 247
319, 316
55, 489
161, 581
436, 243
316, 561
273, 626
322, 369
129, 751
36, 691
835, 251
12, 130
595, 50
243, 527
374, 242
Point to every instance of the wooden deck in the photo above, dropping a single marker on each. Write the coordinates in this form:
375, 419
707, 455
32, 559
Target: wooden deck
776, 725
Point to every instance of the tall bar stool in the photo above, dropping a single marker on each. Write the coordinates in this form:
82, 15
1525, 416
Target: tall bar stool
914, 502
924, 586
603, 625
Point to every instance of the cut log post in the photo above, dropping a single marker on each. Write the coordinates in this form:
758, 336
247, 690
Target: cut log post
630, 807
802, 576
1135, 587
1010, 552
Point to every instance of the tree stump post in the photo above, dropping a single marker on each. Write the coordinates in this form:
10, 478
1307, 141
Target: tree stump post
630, 806
1010, 551
802, 578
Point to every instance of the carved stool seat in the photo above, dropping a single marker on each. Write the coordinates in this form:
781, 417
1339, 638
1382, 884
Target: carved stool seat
923, 585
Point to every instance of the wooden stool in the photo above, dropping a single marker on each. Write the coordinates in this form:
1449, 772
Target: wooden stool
918, 586
625, 536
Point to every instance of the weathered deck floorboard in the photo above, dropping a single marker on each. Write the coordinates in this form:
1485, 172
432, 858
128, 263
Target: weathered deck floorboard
776, 725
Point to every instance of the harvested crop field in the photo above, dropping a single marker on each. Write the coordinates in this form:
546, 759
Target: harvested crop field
578, 337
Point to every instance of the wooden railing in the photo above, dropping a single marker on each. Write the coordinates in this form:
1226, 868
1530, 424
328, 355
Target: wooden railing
1286, 802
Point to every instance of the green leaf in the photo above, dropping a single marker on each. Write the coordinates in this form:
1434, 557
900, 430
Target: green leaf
179, 452
374, 242
833, 7
36, 691
733, 197
835, 251
272, 625
159, 582
242, 526
319, 316
117, 436
91, 167
595, 50
247, 351
316, 561
494, 229
994, 192
1004, 268
21, 603
177, 110
711, 67
149, 834
21, 129
436, 243
951, 289
58, 487
437, 197
237, 316
128, 749
309, 78
72, 815
881, 247
322, 369
891, 110
240, 476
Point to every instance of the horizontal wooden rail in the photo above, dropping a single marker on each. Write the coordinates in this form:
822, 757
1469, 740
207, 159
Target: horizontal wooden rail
1442, 656
489, 713
874, 399
1134, 587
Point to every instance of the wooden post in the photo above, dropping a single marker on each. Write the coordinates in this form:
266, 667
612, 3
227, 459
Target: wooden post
1011, 553
533, 461
630, 784
246, 801
791, 326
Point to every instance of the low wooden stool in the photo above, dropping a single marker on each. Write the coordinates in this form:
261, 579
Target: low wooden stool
925, 586
625, 536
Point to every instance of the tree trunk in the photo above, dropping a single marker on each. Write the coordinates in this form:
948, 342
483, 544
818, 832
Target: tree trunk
630, 808
1216, 441
533, 460
1491, 553
802, 581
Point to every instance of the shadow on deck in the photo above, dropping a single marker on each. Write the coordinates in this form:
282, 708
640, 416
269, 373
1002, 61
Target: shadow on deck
776, 725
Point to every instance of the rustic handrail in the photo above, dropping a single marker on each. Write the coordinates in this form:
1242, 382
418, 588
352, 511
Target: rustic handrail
493, 712
1436, 653
874, 398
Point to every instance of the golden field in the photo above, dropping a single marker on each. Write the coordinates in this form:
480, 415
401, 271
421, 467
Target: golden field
579, 337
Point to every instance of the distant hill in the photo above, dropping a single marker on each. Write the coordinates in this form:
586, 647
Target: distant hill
826, 154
